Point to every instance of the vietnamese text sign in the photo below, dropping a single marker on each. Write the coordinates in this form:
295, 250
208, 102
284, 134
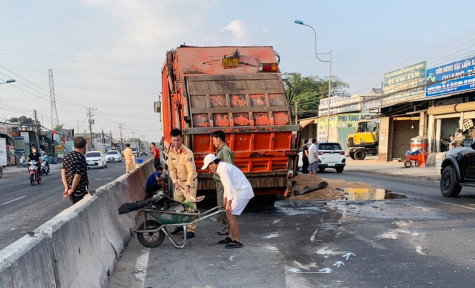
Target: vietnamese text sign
454, 77
404, 85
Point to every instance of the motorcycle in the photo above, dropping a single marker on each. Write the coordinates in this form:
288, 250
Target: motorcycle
35, 176
44, 167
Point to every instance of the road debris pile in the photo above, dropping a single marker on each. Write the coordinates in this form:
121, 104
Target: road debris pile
311, 187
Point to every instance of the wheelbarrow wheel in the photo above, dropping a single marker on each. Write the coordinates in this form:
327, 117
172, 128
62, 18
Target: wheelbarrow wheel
407, 163
150, 239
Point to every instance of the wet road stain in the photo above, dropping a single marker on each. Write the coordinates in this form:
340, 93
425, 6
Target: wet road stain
359, 194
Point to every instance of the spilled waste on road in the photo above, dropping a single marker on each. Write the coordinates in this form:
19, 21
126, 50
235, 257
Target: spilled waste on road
362, 194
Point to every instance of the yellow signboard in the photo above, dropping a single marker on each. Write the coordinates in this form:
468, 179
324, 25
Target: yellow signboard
230, 62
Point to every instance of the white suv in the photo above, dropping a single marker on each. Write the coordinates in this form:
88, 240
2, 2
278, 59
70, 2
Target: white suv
330, 155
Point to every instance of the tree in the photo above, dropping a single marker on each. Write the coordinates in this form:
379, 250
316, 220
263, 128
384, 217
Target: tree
59, 127
23, 120
309, 90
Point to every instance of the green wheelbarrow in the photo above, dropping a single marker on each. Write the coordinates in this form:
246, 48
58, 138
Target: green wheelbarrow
153, 230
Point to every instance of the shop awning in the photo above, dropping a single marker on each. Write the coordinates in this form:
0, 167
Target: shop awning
446, 109
306, 122
452, 108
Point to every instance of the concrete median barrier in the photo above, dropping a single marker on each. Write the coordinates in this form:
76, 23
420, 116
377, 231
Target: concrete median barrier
27, 263
80, 246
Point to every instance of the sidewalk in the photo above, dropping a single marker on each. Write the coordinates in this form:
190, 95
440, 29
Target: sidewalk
371, 165
13, 171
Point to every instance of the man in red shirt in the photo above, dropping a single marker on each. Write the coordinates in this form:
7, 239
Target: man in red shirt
156, 155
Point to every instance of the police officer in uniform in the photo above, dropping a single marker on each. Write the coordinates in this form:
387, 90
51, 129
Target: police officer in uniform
182, 171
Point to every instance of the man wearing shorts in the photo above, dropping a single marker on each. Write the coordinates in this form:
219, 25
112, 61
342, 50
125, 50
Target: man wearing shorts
313, 157
237, 193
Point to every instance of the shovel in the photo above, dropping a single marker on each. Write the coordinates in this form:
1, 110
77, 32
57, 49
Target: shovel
190, 198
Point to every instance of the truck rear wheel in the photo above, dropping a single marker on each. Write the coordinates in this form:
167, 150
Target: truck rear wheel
360, 154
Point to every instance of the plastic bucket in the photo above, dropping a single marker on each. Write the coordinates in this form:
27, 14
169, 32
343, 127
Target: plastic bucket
139, 162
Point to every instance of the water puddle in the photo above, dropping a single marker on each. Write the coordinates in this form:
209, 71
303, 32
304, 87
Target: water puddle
360, 194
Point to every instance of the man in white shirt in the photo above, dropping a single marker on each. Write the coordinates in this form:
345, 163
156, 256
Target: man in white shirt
313, 157
237, 193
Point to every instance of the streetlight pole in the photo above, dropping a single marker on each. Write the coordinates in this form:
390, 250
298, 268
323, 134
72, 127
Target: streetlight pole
300, 22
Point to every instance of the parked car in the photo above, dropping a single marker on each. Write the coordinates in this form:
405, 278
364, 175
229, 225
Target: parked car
458, 169
330, 155
113, 156
95, 159
143, 153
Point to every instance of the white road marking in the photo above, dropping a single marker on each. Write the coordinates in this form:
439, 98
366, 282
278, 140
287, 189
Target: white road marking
348, 255
338, 264
321, 271
13, 200
312, 239
271, 248
141, 265
107, 178
272, 235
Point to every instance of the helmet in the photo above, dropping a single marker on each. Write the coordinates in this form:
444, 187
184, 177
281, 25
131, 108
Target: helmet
42, 152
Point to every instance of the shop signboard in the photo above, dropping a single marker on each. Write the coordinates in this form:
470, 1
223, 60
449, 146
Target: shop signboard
455, 77
3, 129
348, 120
322, 129
404, 85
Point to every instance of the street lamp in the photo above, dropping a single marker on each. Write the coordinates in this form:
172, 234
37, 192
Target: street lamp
7, 81
300, 22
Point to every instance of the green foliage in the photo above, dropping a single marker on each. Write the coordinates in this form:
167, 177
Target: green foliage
23, 120
309, 90
59, 127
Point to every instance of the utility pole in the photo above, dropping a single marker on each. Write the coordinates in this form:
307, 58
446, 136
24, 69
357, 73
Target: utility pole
296, 112
37, 138
121, 141
91, 121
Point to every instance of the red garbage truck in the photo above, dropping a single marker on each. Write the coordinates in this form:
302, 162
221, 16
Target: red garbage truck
238, 90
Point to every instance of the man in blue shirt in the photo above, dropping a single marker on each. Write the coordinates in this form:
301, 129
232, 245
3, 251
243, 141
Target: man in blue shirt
155, 181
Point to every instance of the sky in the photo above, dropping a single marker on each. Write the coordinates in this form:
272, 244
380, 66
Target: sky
107, 54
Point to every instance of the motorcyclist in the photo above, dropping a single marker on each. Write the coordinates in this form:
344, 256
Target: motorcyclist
44, 158
34, 155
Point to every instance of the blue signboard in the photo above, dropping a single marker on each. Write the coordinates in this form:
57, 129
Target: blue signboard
454, 77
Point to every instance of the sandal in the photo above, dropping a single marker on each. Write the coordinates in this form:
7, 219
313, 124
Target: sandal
226, 240
234, 244
223, 232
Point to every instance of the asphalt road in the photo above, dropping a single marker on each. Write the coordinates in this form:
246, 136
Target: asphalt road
424, 240
23, 207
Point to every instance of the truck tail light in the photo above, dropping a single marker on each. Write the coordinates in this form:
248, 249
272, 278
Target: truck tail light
268, 67
342, 152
